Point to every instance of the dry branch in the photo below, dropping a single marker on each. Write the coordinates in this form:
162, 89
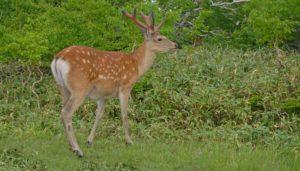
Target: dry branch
33, 88
224, 4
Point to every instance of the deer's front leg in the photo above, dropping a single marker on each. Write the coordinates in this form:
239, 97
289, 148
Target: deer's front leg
124, 96
99, 114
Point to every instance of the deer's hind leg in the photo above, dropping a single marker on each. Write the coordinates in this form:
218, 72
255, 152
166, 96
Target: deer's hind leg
72, 104
65, 94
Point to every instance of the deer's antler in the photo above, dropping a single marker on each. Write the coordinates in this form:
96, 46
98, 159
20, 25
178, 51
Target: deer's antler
160, 24
134, 19
149, 20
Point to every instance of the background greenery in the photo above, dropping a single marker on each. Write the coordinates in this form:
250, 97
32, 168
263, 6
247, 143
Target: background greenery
35, 30
233, 89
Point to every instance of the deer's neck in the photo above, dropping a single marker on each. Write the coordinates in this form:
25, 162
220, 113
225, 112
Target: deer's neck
144, 57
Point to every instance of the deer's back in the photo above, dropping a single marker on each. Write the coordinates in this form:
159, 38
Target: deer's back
99, 73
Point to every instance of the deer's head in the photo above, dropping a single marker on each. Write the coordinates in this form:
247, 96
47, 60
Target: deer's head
151, 33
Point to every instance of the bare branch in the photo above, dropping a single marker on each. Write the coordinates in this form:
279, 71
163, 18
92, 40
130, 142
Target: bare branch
223, 4
33, 88
183, 21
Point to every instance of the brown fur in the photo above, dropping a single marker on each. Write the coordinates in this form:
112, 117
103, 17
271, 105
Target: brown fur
102, 74
94, 68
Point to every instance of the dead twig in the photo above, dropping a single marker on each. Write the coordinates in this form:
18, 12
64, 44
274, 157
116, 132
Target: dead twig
223, 4
29, 76
33, 88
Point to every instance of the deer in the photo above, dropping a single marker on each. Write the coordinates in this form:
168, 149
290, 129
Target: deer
81, 72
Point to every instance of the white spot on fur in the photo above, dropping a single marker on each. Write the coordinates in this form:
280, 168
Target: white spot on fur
101, 77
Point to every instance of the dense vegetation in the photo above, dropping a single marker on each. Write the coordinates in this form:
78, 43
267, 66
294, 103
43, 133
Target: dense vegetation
233, 89
209, 95
35, 30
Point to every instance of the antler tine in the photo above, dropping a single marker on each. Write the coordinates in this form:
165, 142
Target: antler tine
148, 21
161, 23
145, 18
134, 19
152, 17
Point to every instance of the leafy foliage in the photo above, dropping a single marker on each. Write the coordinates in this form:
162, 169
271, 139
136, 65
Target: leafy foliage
208, 93
33, 31
269, 22
40, 29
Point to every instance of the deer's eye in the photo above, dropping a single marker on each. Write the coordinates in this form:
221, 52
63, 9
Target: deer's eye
159, 39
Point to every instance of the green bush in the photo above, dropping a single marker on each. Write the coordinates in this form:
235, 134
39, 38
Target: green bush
244, 25
269, 22
209, 92
33, 31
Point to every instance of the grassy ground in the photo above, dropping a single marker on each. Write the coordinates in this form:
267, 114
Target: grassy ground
52, 153
203, 109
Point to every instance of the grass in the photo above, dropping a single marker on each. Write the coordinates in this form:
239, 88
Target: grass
51, 153
203, 109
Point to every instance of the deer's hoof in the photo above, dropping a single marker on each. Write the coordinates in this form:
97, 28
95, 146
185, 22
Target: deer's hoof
89, 143
78, 153
129, 142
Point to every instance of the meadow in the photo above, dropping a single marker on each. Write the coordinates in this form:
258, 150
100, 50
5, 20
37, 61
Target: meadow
205, 108
228, 100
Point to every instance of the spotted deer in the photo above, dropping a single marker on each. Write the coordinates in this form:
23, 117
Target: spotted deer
81, 72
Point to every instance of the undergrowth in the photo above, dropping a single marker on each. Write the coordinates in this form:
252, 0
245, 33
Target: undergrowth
204, 94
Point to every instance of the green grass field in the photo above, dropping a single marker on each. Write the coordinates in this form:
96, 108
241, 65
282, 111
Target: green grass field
203, 109
46, 152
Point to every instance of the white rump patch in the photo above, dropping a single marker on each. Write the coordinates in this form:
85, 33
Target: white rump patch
60, 69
